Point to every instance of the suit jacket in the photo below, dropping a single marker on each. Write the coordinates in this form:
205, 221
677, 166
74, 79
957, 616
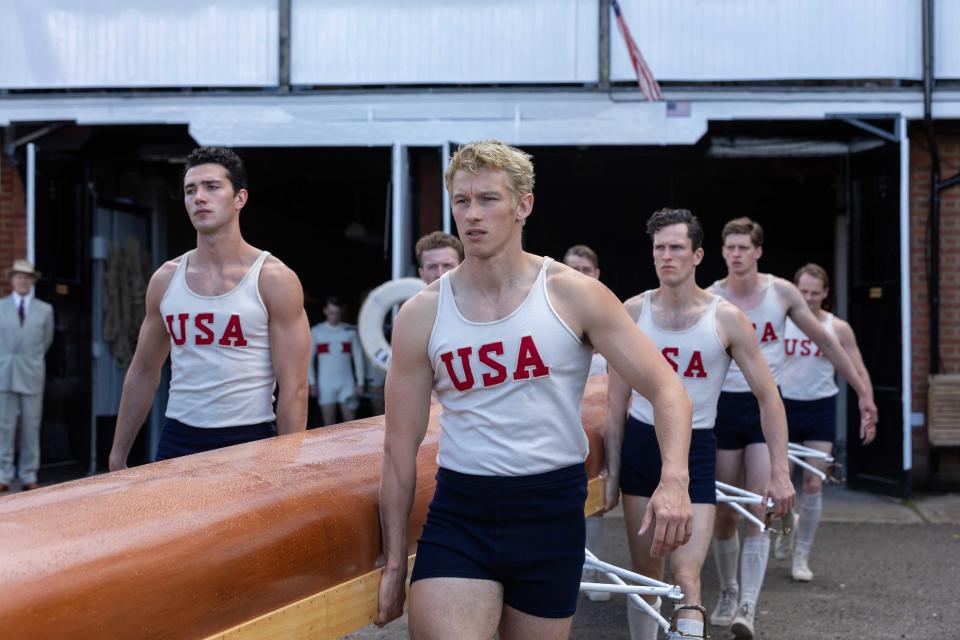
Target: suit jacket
22, 348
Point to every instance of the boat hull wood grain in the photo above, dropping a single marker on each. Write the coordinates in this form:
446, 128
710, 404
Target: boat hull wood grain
195, 546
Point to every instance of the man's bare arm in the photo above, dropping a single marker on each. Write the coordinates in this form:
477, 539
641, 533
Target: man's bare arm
849, 343
408, 386
736, 329
289, 343
597, 313
614, 422
807, 322
143, 375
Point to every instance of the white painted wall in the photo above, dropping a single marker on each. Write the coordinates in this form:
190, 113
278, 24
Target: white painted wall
946, 44
705, 40
356, 42
63, 44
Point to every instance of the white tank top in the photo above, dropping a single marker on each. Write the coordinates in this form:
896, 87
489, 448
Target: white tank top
769, 320
698, 357
807, 375
222, 375
337, 358
510, 389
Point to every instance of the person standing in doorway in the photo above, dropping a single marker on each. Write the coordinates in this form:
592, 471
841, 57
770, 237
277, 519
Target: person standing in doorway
337, 369
26, 332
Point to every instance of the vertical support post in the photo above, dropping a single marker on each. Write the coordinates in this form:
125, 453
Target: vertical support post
603, 45
905, 330
444, 163
841, 290
400, 214
31, 200
283, 43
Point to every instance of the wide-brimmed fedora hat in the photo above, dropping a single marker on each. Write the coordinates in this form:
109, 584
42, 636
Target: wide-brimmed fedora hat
23, 266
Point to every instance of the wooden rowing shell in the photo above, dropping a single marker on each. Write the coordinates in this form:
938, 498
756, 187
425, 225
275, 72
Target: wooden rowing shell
230, 543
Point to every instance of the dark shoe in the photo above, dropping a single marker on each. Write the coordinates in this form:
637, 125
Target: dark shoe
3, 487
30, 486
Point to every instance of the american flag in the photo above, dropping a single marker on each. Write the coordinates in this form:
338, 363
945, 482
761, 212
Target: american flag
645, 80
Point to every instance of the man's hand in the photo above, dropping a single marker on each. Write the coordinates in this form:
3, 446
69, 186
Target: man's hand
359, 391
781, 491
868, 413
670, 507
393, 584
868, 420
611, 490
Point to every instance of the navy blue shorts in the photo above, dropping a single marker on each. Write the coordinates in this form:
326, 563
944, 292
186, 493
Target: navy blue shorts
640, 462
812, 419
525, 532
178, 439
738, 420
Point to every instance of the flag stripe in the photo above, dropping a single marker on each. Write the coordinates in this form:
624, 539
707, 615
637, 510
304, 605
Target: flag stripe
649, 86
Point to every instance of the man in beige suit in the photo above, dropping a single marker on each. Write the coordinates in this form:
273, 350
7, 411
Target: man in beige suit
26, 331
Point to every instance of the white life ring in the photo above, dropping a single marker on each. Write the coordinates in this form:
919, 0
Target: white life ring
375, 308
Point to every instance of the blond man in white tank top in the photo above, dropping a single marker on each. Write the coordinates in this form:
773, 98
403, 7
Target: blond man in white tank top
742, 457
697, 333
511, 391
231, 317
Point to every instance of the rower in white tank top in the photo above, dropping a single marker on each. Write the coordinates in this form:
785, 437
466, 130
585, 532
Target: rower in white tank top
807, 375
769, 320
510, 389
696, 354
221, 370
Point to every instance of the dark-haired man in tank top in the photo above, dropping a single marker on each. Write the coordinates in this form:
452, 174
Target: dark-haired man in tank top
742, 453
231, 317
506, 340
697, 333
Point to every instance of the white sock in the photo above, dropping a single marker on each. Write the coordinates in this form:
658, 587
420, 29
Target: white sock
689, 626
727, 553
753, 566
594, 527
810, 509
642, 626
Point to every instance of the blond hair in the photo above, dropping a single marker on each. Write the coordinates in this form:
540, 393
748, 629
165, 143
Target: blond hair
516, 165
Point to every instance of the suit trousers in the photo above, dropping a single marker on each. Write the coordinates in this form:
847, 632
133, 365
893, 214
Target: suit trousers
30, 406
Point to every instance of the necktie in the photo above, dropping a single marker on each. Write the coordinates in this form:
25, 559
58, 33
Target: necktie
20, 312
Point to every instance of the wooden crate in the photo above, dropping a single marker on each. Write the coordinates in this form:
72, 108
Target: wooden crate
943, 410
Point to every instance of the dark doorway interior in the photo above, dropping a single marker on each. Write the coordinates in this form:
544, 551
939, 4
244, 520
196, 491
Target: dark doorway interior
602, 197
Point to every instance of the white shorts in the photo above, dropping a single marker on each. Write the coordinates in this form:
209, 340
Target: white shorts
341, 392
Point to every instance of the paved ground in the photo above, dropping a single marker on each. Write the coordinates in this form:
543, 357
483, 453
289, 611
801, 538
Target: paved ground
884, 569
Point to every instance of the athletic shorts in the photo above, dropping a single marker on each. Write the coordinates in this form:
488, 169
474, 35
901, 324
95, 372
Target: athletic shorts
525, 532
738, 420
343, 392
178, 439
812, 419
640, 462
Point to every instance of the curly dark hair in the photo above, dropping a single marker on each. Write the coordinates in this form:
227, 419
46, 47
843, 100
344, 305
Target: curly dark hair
226, 158
666, 217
